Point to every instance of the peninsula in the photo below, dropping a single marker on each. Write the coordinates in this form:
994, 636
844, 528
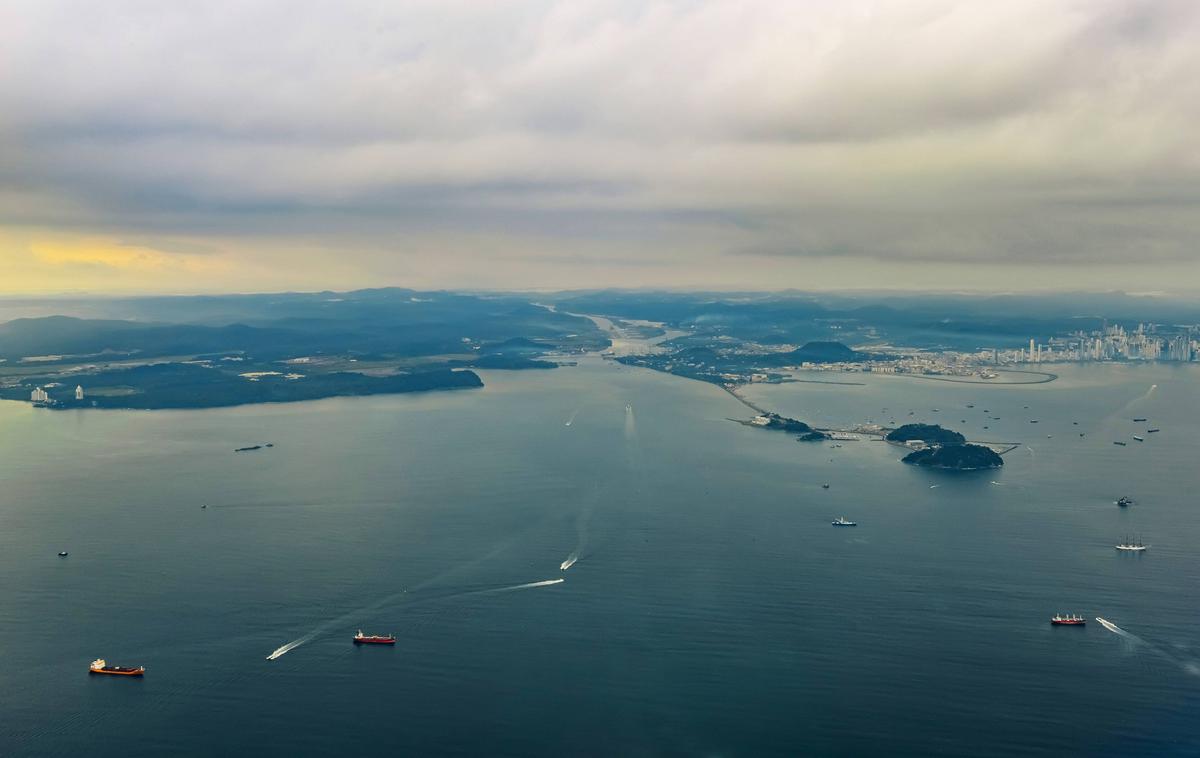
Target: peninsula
782, 423
205, 352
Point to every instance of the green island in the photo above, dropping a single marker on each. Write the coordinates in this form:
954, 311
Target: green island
943, 448
966, 457
930, 434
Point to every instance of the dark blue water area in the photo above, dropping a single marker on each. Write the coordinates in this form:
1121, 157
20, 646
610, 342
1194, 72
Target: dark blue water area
712, 609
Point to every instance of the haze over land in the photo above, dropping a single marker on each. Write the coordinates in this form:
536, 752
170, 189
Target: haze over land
921, 144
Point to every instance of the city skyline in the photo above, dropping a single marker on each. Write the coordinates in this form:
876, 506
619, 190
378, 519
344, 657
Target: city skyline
926, 145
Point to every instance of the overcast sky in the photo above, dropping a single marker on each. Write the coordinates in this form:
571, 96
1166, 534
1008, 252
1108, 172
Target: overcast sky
206, 146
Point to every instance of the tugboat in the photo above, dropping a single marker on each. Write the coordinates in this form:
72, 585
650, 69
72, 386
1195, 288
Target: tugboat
100, 666
1068, 619
374, 639
841, 521
1131, 545
1124, 501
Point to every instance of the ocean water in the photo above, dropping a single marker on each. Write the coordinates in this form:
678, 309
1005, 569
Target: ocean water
712, 609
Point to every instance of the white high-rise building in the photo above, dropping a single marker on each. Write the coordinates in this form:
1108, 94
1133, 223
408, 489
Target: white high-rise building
1032, 349
79, 392
39, 395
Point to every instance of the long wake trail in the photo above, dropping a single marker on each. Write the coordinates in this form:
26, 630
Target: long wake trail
581, 532
347, 617
1188, 666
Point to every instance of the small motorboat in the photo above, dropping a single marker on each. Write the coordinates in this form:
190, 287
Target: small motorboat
841, 521
374, 639
100, 666
1067, 619
825, 486
1124, 501
62, 553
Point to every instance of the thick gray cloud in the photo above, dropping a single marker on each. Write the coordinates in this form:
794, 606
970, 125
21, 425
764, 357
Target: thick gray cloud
614, 142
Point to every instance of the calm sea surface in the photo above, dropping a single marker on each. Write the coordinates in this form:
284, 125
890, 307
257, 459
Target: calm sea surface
713, 610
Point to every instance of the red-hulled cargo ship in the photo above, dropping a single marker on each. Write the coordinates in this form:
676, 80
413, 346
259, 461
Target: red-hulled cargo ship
374, 639
1070, 619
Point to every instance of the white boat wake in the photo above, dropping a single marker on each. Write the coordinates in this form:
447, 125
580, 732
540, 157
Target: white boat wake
571, 420
285, 649
1190, 667
347, 617
526, 586
581, 533
1110, 626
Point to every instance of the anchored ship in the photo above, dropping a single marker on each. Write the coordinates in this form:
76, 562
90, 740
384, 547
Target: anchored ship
1131, 545
1067, 619
841, 521
100, 666
374, 639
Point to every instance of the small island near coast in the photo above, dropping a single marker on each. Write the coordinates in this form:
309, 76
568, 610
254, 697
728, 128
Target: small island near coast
966, 457
930, 434
251, 448
938, 447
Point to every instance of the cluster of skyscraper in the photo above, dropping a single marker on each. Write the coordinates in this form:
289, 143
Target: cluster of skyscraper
40, 395
1149, 342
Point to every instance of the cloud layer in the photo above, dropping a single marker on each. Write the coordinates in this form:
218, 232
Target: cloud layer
579, 143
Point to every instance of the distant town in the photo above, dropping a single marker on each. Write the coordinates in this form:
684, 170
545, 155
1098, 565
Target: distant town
732, 362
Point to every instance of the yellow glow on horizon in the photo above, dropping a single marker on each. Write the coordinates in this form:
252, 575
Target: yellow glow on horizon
97, 253
45, 262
